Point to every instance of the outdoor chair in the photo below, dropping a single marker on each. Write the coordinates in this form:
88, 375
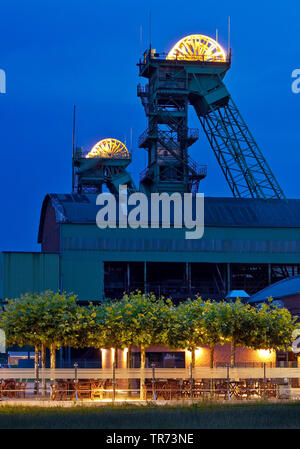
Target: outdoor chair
97, 390
169, 389
251, 389
107, 388
236, 389
222, 389
20, 389
160, 390
199, 389
270, 390
149, 388
186, 389
83, 390
60, 391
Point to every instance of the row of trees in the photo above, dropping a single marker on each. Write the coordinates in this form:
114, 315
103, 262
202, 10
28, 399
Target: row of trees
52, 320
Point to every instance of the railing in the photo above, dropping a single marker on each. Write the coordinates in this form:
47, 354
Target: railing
172, 146
151, 55
200, 170
192, 134
127, 155
149, 383
161, 373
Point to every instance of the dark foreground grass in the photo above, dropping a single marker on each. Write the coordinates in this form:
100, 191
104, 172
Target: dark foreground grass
202, 416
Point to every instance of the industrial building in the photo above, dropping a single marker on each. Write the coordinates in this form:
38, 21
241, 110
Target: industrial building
248, 244
250, 241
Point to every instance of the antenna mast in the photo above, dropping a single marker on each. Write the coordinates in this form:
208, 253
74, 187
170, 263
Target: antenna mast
141, 41
228, 34
150, 28
73, 146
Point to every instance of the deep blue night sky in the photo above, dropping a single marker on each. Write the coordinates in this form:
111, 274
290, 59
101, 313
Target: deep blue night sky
60, 52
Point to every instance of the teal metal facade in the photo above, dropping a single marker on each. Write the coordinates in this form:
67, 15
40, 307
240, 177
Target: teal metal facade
28, 272
242, 238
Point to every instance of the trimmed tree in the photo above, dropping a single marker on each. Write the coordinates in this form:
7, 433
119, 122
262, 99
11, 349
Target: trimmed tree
145, 322
186, 327
42, 320
212, 330
274, 327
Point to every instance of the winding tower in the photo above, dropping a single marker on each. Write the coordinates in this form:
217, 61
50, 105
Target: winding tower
192, 73
105, 163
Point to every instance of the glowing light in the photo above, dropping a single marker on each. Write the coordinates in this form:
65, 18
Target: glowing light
198, 47
113, 355
125, 352
265, 354
188, 356
198, 353
109, 148
103, 357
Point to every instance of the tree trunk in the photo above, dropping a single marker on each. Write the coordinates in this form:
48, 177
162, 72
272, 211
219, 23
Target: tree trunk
116, 357
52, 356
211, 364
128, 366
193, 358
36, 368
129, 354
212, 356
43, 364
143, 364
233, 351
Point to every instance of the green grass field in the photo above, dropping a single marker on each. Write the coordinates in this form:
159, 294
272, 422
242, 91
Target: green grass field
202, 416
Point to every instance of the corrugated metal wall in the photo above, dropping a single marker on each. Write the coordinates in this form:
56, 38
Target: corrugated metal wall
28, 272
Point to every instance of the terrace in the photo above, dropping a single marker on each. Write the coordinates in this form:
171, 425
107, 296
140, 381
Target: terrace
150, 384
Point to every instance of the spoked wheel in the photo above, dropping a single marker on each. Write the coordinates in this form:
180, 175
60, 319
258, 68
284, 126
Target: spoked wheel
197, 47
109, 148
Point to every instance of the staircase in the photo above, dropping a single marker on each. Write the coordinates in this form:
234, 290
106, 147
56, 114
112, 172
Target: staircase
196, 170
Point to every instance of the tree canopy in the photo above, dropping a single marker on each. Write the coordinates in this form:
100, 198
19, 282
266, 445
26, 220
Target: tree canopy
54, 320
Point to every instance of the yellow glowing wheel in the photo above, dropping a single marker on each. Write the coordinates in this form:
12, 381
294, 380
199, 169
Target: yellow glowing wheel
197, 47
110, 148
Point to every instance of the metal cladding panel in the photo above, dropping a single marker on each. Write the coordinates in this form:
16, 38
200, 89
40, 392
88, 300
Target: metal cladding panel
85, 248
28, 272
82, 274
260, 245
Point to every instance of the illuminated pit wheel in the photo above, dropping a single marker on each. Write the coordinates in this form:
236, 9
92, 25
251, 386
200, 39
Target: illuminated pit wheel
109, 148
197, 47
